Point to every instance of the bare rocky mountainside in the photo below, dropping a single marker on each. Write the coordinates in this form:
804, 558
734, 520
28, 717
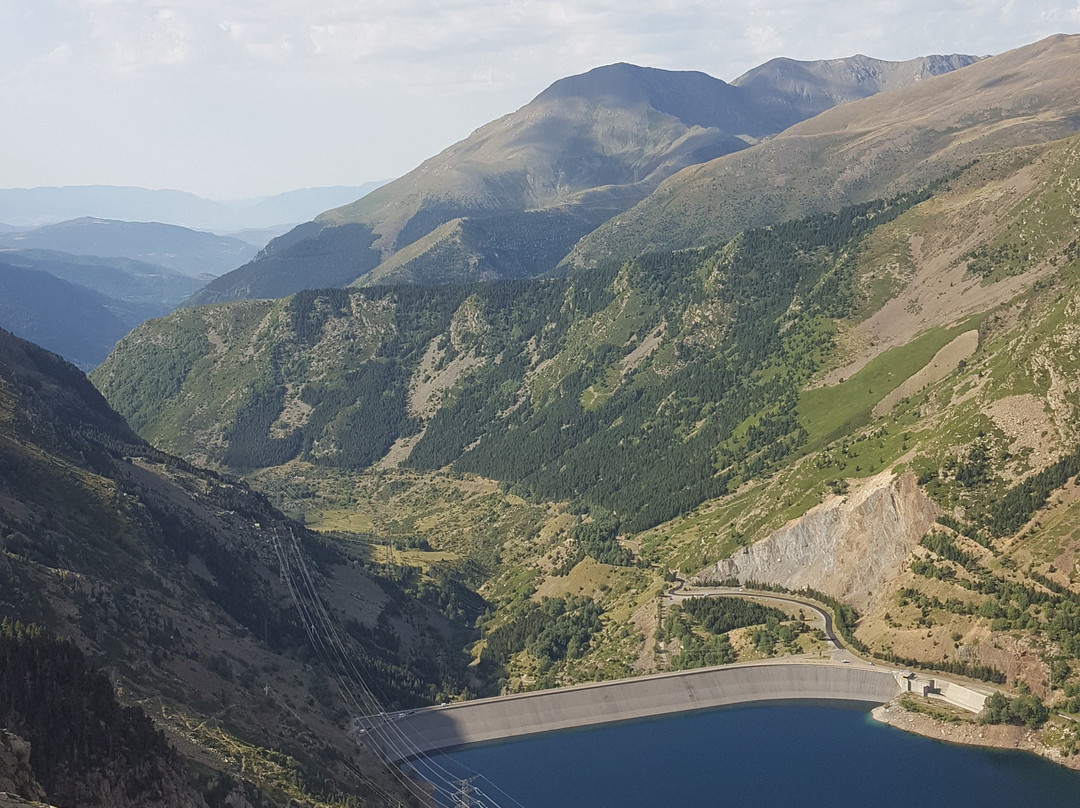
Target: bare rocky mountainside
511, 200
171, 585
849, 547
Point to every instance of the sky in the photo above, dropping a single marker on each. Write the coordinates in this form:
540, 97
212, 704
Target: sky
234, 99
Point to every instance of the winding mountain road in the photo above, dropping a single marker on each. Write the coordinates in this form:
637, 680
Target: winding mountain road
684, 592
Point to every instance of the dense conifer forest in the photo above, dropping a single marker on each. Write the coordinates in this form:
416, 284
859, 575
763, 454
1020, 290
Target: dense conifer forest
77, 730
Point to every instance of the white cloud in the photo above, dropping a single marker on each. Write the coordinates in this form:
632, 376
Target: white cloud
60, 55
1067, 16
128, 35
764, 40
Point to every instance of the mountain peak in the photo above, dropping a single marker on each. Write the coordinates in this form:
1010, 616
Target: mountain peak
692, 97
623, 81
525, 188
926, 127
789, 90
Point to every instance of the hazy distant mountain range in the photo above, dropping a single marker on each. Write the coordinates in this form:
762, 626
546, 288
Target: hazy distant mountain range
513, 198
121, 278
190, 252
77, 287
78, 323
21, 208
78, 274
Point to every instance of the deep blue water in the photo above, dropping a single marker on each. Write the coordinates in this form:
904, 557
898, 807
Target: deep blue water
803, 754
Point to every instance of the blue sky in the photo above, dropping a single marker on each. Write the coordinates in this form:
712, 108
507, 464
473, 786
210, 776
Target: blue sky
237, 98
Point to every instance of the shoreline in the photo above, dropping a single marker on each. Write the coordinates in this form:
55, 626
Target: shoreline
971, 733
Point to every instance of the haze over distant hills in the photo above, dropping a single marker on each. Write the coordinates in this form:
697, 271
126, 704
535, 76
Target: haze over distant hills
190, 252
78, 323
22, 208
80, 304
511, 199
121, 278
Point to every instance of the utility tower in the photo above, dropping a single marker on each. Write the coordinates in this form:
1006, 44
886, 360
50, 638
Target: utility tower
463, 796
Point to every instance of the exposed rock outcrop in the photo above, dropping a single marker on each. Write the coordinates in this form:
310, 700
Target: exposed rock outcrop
16, 776
1000, 736
8, 800
846, 547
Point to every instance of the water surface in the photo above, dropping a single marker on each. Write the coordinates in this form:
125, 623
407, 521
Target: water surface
804, 754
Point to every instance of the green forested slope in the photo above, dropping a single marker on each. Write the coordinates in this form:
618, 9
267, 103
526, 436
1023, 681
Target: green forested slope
682, 367
922, 351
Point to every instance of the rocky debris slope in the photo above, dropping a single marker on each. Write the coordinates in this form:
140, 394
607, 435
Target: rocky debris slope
846, 547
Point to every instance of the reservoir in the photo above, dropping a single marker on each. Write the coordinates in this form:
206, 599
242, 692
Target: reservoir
771, 755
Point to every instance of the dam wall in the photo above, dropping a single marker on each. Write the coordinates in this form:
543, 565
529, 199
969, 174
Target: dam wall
495, 719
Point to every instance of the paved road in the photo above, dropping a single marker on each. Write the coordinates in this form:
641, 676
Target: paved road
686, 592
840, 676
838, 651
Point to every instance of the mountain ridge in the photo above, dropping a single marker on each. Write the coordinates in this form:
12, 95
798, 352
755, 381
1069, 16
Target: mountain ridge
73, 320
584, 149
870, 148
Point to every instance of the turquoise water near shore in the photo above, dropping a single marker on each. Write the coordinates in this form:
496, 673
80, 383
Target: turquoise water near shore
803, 754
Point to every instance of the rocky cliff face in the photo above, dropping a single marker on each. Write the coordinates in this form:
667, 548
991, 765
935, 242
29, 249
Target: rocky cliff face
16, 776
847, 547
19, 787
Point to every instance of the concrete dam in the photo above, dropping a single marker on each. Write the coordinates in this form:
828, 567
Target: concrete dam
494, 719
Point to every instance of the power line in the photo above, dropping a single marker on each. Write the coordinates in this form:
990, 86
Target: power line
353, 687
